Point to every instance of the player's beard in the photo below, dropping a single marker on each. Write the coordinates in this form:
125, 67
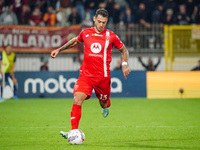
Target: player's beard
99, 29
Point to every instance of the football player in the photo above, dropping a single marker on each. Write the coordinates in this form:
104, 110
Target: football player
95, 69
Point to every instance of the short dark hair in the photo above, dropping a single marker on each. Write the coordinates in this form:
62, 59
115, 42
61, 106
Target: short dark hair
102, 12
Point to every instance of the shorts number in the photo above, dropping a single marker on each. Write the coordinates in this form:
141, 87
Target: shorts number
103, 97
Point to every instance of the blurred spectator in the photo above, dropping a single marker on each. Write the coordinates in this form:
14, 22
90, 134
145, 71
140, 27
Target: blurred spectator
50, 17
59, 17
133, 4
36, 18
74, 17
41, 4
146, 12
170, 4
44, 67
17, 6
25, 15
79, 4
87, 21
52, 3
182, 16
192, 9
1, 6
157, 14
142, 15
8, 17
116, 15
64, 10
197, 67
129, 21
7, 3
150, 66
109, 6
197, 20
152, 4
129, 18
102, 5
122, 3
92, 5
143, 19
169, 17
119, 65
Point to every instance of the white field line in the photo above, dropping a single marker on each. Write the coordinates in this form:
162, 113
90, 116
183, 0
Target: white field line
109, 127
146, 126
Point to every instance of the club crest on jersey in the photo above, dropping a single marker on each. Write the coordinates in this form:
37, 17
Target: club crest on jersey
95, 47
95, 34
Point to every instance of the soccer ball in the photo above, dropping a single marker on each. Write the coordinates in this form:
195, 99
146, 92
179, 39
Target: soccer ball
76, 136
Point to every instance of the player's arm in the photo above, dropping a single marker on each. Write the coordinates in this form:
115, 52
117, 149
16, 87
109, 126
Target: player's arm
73, 42
125, 55
140, 60
0, 68
12, 74
159, 58
1, 63
12, 70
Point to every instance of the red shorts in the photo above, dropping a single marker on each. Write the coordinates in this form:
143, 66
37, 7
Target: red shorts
101, 86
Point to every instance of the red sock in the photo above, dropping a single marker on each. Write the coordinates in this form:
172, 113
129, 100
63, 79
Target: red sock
75, 116
109, 103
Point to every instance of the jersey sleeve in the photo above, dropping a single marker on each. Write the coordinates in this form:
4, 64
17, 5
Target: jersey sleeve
117, 42
80, 37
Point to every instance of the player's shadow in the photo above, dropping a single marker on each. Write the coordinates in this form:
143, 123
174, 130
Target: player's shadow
140, 144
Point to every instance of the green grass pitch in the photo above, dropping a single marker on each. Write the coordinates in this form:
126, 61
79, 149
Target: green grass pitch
133, 123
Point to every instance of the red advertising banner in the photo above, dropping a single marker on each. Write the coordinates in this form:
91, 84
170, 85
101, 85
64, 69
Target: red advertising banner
37, 39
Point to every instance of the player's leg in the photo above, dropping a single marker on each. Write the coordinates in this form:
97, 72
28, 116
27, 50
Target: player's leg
82, 91
105, 104
102, 91
14, 86
79, 98
4, 81
105, 107
1, 96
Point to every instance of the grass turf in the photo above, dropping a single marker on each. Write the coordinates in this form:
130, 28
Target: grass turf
133, 123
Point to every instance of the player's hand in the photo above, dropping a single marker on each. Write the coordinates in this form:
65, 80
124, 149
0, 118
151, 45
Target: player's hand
125, 70
12, 74
54, 53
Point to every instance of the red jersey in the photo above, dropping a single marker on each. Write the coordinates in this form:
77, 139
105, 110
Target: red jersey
98, 48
